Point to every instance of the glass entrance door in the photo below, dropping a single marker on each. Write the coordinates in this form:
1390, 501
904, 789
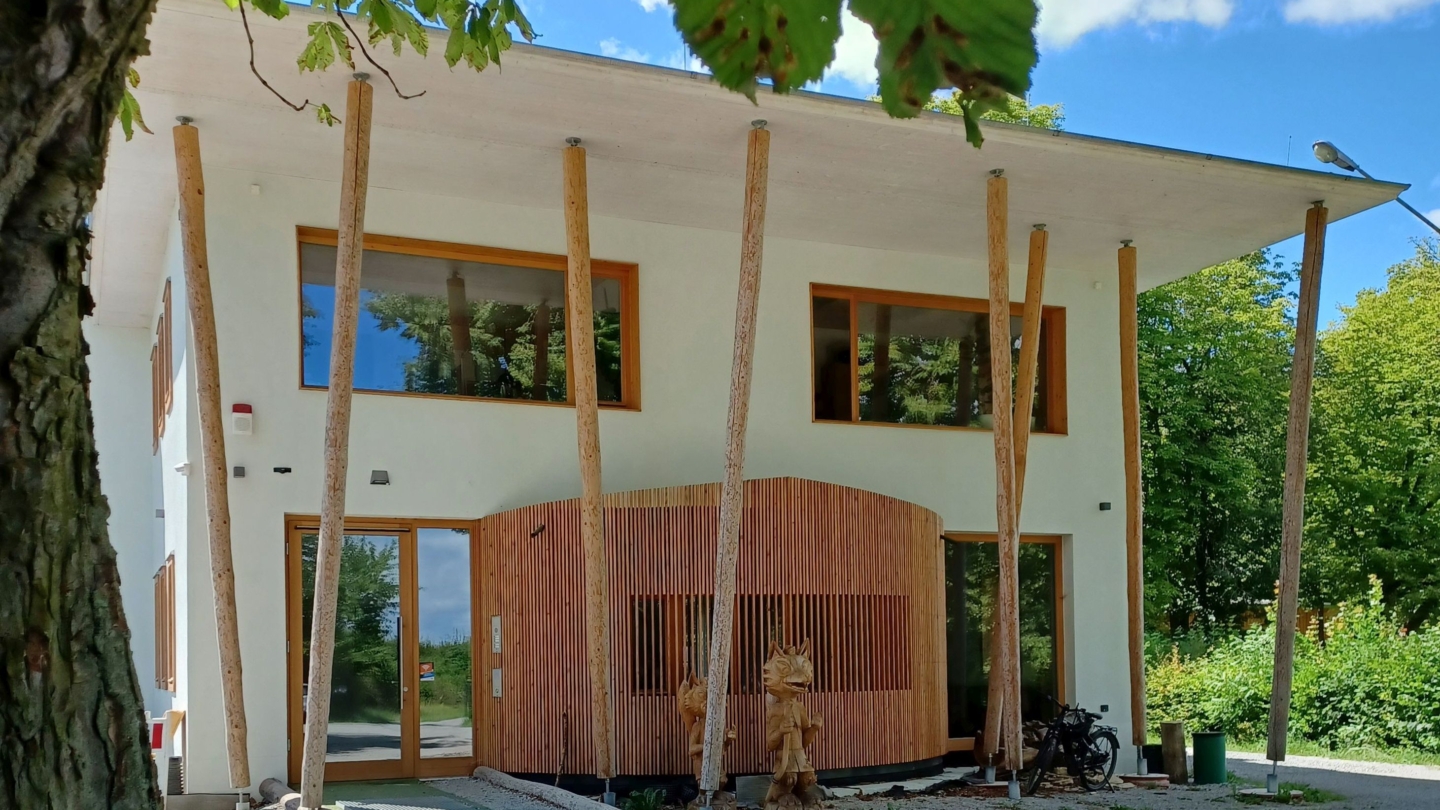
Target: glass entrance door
401, 700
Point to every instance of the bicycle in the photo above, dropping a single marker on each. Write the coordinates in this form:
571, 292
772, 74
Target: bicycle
1090, 752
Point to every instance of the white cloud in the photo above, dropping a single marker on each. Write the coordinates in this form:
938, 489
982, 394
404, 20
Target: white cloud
1062, 22
682, 59
615, 49
652, 5
1337, 12
855, 52
1434, 216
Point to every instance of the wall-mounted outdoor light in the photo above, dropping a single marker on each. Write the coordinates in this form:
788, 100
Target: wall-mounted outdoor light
1104, 506
380, 478
239, 472
282, 470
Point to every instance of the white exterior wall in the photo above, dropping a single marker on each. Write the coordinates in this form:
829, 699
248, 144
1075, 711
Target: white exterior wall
120, 394
463, 459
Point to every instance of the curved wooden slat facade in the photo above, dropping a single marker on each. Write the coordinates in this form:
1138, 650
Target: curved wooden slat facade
859, 574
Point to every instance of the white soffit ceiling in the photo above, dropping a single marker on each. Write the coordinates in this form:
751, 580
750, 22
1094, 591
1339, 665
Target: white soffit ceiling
668, 146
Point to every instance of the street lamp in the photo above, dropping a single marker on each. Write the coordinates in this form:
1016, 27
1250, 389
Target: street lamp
1327, 152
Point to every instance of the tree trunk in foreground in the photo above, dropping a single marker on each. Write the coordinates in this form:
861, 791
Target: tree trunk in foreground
72, 730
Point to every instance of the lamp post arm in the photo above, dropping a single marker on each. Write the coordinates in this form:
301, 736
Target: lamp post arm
1408, 206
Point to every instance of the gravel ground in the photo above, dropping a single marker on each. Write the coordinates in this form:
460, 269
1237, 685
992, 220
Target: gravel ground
1194, 798
1365, 785
487, 795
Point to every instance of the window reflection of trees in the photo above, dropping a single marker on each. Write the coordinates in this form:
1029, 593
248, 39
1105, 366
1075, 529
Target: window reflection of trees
971, 578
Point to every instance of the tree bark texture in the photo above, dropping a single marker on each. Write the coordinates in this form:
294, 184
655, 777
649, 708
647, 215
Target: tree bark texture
72, 730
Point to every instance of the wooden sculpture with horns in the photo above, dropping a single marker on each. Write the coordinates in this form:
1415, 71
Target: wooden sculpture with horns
789, 727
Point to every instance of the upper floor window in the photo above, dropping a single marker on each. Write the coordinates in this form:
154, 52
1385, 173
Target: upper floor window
911, 359
458, 320
162, 371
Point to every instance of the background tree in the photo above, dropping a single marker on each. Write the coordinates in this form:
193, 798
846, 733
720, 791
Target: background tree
71, 721
1374, 481
1214, 381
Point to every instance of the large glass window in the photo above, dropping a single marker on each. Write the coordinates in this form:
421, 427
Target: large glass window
972, 574
454, 320
921, 360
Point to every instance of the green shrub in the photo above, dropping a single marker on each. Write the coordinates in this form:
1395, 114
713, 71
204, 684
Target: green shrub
1371, 684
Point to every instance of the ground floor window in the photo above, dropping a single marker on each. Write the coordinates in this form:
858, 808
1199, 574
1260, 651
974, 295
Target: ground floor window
971, 577
402, 690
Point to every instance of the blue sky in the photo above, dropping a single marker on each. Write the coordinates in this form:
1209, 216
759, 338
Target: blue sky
1255, 79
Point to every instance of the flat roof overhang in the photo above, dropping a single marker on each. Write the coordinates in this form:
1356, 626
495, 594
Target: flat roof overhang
668, 146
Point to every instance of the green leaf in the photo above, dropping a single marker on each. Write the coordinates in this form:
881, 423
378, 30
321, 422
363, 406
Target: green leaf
342, 43
983, 48
319, 52
426, 8
277, 9
789, 42
455, 46
325, 116
232, 5
129, 114
133, 76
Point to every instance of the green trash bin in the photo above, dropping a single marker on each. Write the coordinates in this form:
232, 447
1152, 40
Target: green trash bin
1210, 758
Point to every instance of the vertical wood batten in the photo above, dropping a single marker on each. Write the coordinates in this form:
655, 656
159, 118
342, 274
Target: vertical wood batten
581, 333
1134, 488
752, 240
1002, 726
1297, 444
212, 441
349, 246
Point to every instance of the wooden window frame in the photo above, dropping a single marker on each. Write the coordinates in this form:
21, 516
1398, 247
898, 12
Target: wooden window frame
162, 371
1052, 318
410, 765
627, 273
165, 625
1062, 668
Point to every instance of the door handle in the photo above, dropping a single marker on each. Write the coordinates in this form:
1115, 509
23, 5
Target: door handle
400, 653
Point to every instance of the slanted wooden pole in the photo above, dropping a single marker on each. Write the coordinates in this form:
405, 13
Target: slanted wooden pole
1029, 358
349, 244
1024, 403
581, 334
1005, 644
732, 495
1134, 492
212, 443
1297, 444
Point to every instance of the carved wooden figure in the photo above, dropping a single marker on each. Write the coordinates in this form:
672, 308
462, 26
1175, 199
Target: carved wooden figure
789, 727
690, 698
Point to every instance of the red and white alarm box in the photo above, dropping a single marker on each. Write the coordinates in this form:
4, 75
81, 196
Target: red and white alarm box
242, 419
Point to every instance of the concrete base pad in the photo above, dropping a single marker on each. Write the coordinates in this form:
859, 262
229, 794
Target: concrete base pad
1155, 781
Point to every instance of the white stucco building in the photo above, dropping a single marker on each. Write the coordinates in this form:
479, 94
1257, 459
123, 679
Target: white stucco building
878, 221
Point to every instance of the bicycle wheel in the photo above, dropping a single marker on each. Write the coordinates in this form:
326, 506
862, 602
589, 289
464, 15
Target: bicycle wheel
1042, 764
1100, 760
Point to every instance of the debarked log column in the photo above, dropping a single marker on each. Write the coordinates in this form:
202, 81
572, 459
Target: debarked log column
201, 308
732, 496
1134, 490
1004, 732
349, 245
581, 335
1297, 444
